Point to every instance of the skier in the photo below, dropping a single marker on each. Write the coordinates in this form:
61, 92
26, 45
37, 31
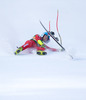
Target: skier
37, 42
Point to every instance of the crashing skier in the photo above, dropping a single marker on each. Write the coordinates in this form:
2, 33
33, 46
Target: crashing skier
37, 42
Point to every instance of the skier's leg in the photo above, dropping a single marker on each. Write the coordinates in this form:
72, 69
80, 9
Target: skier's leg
27, 44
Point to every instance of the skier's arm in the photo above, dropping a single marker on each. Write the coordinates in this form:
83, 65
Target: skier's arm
38, 39
52, 49
41, 43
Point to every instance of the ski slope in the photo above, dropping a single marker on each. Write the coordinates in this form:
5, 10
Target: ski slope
52, 77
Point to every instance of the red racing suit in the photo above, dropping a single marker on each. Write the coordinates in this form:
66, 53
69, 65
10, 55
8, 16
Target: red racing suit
35, 42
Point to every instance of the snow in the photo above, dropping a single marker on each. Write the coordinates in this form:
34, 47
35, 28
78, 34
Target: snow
52, 77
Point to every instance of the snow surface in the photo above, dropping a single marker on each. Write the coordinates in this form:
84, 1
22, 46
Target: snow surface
52, 77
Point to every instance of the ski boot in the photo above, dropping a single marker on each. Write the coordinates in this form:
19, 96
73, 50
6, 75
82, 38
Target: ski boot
39, 52
57, 38
18, 50
52, 33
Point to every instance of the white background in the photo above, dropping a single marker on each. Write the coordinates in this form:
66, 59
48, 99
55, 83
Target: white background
52, 77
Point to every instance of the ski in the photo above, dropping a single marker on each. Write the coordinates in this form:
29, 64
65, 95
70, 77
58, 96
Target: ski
63, 49
53, 37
